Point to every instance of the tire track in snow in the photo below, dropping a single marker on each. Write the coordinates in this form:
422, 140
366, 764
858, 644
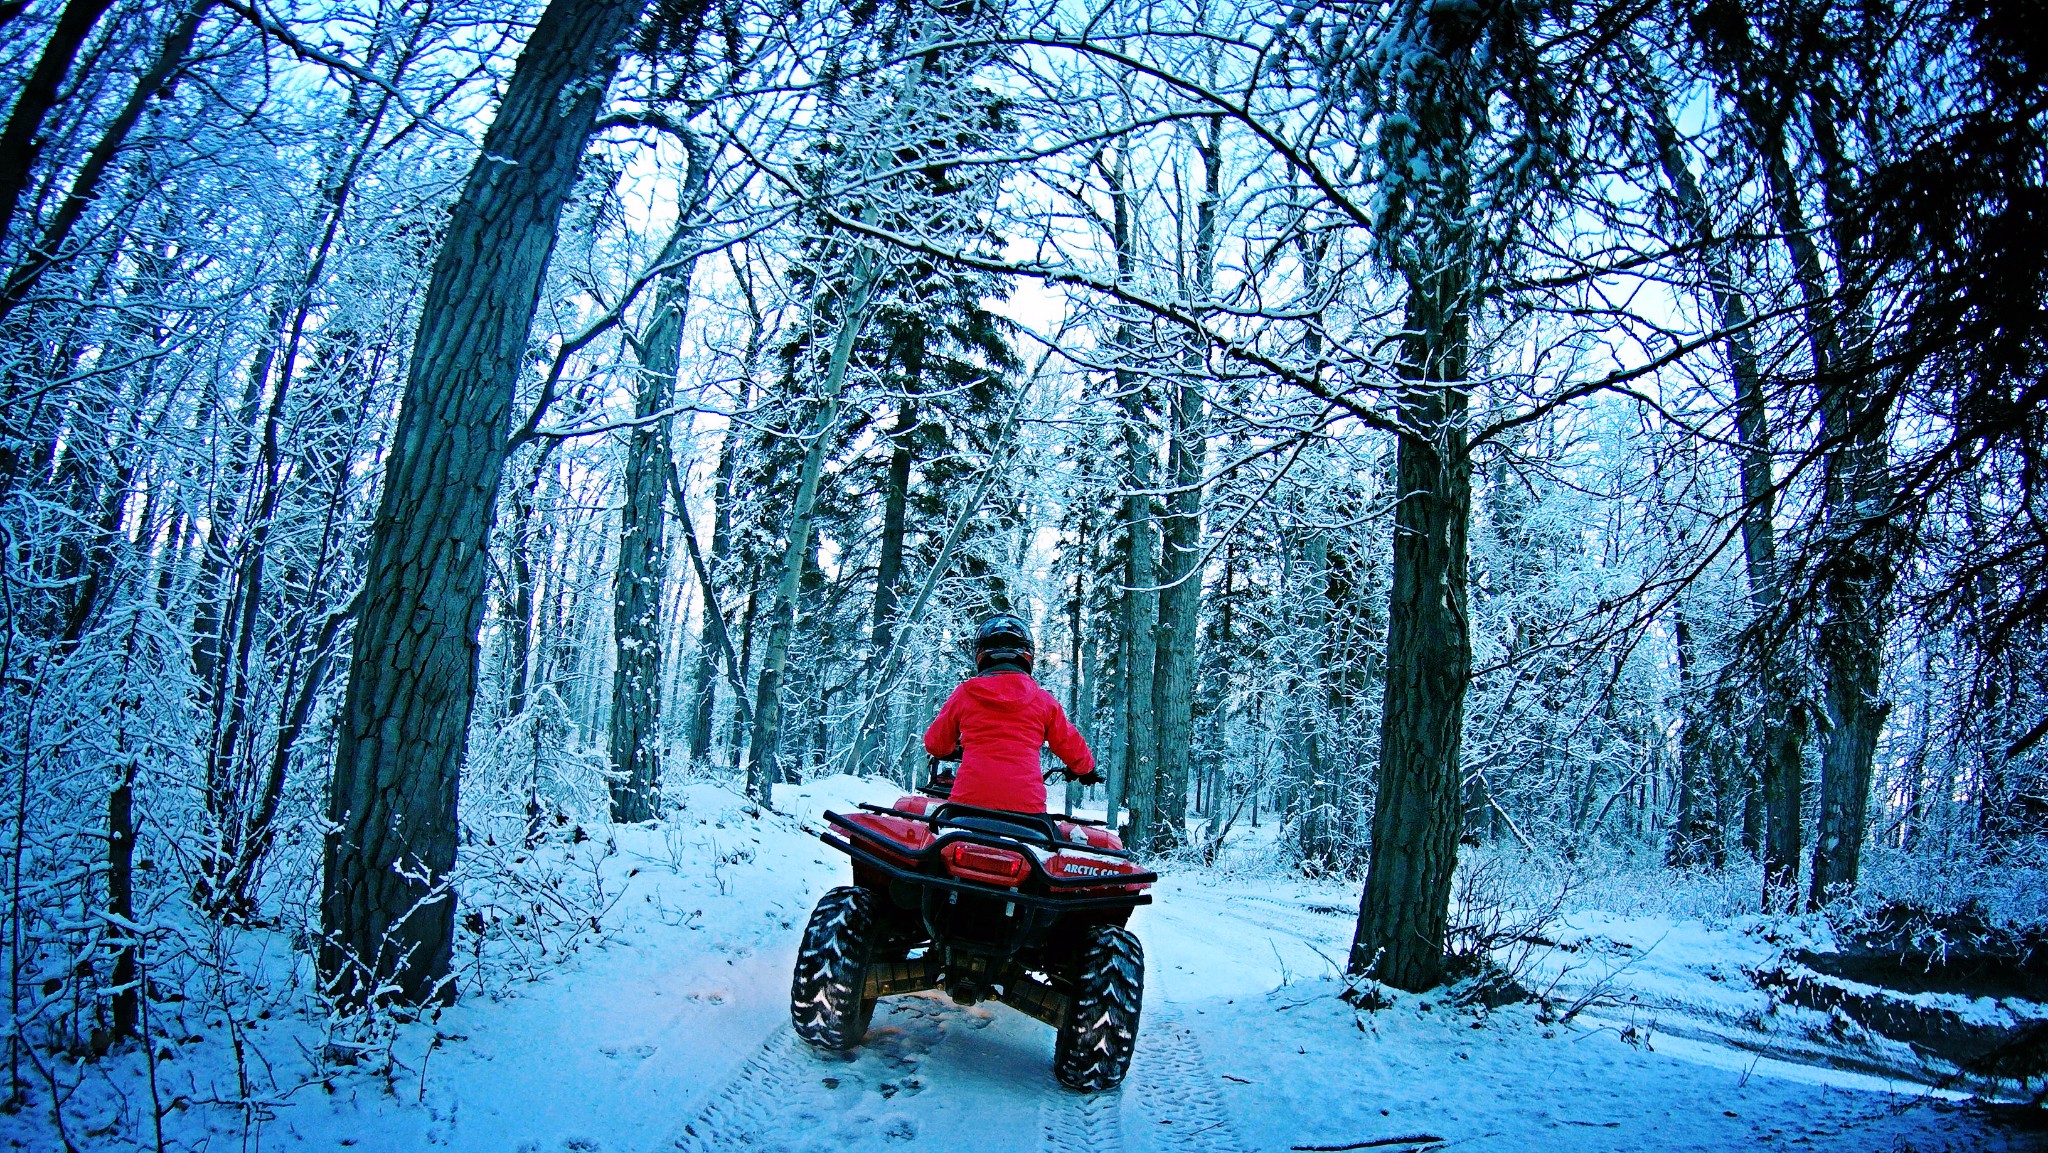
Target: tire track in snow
789, 1098
1082, 1123
734, 1114
1180, 1105
1303, 924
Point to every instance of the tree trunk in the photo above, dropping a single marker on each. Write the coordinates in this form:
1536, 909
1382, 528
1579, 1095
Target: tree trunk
1854, 577
85, 186
1405, 907
1180, 606
1696, 839
1140, 617
1857, 577
1314, 798
889, 565
387, 915
1178, 638
642, 571
1782, 776
767, 734
127, 1002
635, 743
519, 612
1402, 916
1081, 677
21, 141
1850, 641
1139, 787
704, 686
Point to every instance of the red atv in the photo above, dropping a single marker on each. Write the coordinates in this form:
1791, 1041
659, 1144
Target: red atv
1024, 908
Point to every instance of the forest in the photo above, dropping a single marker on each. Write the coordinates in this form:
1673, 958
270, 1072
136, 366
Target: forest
479, 477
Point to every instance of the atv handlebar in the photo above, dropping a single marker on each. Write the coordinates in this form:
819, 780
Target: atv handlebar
1089, 778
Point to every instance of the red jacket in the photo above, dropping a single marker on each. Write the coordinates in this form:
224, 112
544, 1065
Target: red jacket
1000, 721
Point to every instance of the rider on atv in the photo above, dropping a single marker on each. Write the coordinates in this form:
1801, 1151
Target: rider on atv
983, 894
998, 719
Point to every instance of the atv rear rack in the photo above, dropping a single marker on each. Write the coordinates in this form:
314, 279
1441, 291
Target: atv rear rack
1039, 828
938, 879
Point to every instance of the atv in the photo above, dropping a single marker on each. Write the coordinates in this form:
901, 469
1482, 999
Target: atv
1024, 908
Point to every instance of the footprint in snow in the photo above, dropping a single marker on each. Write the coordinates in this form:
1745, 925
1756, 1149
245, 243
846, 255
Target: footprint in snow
624, 1052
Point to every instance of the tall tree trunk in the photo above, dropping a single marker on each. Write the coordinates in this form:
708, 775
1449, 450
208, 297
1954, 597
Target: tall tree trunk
712, 639
1850, 641
21, 140
767, 734
520, 607
1314, 797
635, 743
1857, 577
1140, 618
742, 720
1782, 775
1853, 578
127, 1003
864, 274
1696, 837
1178, 640
1405, 907
643, 558
889, 564
1139, 787
1081, 678
387, 915
49, 247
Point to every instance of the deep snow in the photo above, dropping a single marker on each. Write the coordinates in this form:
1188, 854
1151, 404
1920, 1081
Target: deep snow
670, 1033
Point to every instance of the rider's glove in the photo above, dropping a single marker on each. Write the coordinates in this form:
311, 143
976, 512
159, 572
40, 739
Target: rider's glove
1091, 777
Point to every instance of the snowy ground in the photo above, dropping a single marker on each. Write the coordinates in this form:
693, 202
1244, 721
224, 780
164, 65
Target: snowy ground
671, 1034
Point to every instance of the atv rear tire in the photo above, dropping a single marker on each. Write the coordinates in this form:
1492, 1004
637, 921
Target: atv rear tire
1095, 1044
826, 1005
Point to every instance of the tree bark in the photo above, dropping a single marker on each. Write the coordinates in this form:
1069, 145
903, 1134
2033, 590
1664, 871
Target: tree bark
1782, 776
1178, 640
1696, 839
519, 611
20, 141
767, 734
889, 564
704, 686
1404, 910
642, 571
635, 743
127, 1002
1139, 786
49, 245
1314, 798
1857, 574
387, 914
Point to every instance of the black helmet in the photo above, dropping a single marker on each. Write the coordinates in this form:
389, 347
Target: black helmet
1003, 639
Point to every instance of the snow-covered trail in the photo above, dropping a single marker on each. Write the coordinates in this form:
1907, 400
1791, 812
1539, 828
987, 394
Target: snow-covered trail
1245, 1049
932, 1074
673, 1036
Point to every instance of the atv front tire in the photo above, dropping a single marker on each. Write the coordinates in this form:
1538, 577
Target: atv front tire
826, 1005
1095, 1044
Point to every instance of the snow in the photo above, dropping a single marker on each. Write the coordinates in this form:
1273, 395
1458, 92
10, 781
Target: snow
670, 1033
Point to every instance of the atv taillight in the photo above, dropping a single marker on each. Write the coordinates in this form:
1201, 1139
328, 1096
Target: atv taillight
973, 862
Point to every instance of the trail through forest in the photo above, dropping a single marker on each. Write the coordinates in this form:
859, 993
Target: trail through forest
672, 1034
